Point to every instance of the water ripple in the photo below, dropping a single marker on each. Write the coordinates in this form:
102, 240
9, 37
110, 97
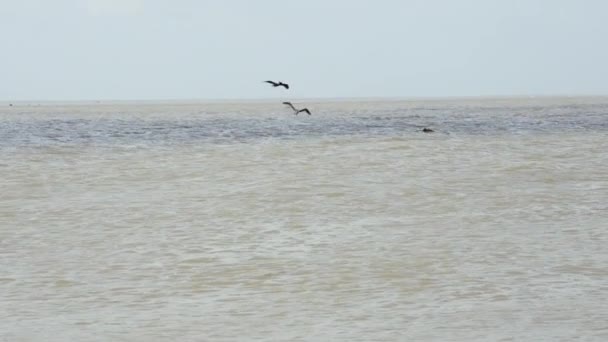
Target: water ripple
94, 127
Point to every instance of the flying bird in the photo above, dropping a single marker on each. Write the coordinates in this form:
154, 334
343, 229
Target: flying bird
278, 84
297, 111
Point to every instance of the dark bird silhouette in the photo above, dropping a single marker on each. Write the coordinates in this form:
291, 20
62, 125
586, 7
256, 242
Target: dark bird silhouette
297, 111
427, 130
278, 84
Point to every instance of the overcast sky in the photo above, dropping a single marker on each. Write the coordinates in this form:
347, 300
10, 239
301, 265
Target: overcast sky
208, 49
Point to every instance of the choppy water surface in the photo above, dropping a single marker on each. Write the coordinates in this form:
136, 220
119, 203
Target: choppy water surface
239, 221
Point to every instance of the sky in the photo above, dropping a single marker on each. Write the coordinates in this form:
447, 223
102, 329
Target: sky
224, 49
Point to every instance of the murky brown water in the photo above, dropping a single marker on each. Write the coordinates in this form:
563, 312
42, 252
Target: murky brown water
239, 222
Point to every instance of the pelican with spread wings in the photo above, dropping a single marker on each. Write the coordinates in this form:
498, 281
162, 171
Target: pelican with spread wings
278, 84
296, 110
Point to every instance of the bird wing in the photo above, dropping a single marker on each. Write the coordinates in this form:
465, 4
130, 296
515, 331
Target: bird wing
284, 85
290, 105
305, 110
271, 82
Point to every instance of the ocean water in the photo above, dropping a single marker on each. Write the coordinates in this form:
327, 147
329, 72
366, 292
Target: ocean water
242, 222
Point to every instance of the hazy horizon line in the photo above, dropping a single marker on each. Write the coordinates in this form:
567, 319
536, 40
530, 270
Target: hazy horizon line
315, 99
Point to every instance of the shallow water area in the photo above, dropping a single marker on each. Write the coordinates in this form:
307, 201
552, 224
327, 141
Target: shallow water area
240, 221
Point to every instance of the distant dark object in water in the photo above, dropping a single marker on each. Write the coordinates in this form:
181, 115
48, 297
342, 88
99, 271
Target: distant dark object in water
278, 84
10, 104
427, 130
305, 110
